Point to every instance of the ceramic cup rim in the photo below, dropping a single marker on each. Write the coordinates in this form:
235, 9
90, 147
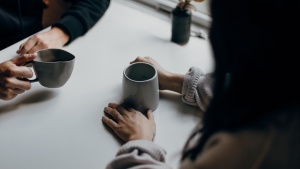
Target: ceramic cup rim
56, 49
140, 81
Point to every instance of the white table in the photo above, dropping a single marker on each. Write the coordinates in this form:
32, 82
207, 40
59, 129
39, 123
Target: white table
62, 128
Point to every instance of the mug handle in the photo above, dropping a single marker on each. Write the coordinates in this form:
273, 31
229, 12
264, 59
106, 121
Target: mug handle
29, 64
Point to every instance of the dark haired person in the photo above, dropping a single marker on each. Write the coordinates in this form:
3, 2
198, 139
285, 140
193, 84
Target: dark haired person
252, 118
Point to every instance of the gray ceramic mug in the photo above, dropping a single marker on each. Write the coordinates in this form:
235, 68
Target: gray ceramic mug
52, 67
140, 87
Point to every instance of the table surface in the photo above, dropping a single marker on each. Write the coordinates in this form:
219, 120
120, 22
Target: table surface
61, 128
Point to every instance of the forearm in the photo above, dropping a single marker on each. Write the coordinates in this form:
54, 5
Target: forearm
81, 17
173, 82
62, 36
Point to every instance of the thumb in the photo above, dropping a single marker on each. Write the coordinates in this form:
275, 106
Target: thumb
22, 59
150, 115
137, 59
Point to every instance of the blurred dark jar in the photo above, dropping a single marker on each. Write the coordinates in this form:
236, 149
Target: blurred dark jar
181, 25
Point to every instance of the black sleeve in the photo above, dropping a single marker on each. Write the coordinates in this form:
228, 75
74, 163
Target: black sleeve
81, 17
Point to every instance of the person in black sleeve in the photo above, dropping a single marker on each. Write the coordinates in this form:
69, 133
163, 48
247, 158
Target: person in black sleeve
21, 19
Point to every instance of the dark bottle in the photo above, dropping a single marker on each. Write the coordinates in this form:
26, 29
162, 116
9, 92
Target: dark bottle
181, 25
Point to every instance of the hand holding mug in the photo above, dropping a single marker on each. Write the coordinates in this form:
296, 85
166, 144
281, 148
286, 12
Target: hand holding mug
167, 80
13, 76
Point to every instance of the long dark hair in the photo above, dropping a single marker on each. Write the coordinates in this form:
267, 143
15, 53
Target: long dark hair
257, 65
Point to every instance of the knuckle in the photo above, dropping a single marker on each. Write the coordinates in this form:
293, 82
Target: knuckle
5, 96
122, 120
3, 89
2, 94
4, 65
10, 72
45, 45
139, 58
11, 97
130, 115
118, 128
116, 112
26, 47
5, 82
35, 37
27, 86
5, 70
119, 109
112, 111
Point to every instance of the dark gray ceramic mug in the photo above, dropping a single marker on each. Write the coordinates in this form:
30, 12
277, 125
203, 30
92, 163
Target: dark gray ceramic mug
52, 67
140, 87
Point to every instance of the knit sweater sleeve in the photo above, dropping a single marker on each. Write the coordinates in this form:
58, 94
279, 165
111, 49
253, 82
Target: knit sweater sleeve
81, 17
139, 154
197, 88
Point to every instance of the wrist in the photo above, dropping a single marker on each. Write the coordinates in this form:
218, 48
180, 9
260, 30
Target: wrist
174, 82
132, 138
62, 35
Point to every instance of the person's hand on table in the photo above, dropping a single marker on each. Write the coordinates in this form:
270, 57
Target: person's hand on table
128, 123
167, 80
13, 76
54, 38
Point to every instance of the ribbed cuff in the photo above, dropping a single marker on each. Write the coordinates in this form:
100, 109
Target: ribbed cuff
145, 146
190, 83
